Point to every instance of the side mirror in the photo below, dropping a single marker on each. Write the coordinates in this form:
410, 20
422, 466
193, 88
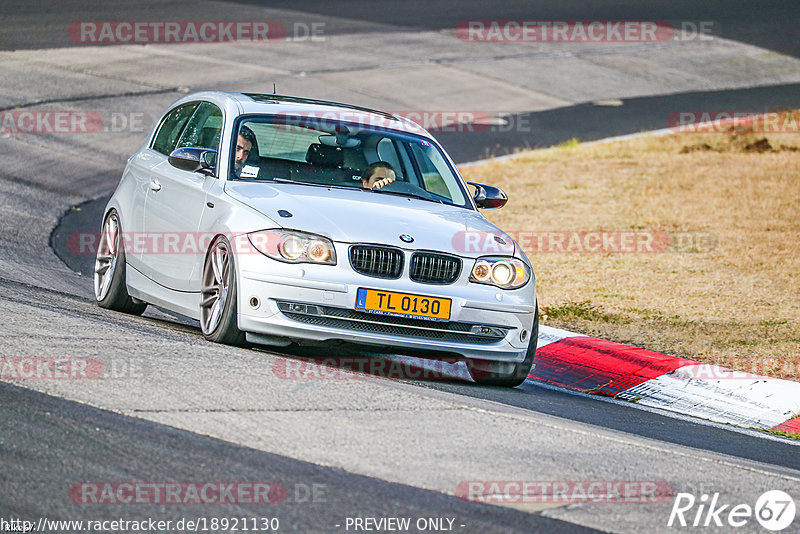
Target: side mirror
202, 160
488, 196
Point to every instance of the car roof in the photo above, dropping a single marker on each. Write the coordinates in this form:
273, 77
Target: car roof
271, 103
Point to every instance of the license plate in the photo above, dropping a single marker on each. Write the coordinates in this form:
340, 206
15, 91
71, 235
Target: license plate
402, 304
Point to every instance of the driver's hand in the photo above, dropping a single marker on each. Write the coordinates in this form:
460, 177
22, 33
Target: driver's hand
383, 181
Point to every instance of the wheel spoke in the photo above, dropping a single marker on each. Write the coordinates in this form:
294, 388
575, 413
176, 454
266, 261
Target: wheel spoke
217, 264
225, 269
210, 299
214, 316
112, 236
106, 284
102, 247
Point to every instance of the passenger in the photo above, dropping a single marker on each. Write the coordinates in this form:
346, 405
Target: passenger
377, 175
244, 145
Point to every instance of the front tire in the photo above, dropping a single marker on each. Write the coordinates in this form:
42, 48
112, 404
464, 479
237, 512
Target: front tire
218, 296
110, 289
507, 374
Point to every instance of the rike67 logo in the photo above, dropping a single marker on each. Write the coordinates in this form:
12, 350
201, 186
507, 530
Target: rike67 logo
774, 510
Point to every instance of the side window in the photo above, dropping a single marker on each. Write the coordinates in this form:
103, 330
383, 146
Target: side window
434, 169
203, 129
171, 127
388, 153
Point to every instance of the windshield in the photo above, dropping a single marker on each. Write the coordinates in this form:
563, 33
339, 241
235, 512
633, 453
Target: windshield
309, 150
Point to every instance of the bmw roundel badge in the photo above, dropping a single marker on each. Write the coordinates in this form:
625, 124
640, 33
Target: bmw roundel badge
405, 238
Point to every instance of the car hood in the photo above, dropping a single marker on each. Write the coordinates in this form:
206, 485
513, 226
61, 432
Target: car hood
358, 216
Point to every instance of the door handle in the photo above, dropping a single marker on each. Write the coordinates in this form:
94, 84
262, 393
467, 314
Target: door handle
155, 185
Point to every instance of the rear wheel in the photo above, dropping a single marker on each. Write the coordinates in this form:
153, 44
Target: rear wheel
110, 290
507, 374
218, 296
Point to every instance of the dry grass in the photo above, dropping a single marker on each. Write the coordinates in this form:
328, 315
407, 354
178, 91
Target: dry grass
737, 305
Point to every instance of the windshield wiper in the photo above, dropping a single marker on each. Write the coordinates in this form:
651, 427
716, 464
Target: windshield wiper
399, 194
396, 193
289, 181
298, 182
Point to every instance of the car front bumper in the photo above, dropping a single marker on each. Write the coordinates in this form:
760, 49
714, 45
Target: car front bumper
303, 302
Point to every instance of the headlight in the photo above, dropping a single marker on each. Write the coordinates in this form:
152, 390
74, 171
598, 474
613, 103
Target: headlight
506, 273
294, 247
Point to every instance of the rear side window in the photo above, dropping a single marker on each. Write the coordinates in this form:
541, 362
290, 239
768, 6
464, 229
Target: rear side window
284, 142
171, 127
204, 129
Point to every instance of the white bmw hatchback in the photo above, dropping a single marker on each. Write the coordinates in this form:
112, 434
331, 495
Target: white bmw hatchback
276, 220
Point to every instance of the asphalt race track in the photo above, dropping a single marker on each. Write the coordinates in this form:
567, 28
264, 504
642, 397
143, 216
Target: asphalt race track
165, 453
174, 408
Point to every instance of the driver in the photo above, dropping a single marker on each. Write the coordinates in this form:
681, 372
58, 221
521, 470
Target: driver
244, 145
377, 175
